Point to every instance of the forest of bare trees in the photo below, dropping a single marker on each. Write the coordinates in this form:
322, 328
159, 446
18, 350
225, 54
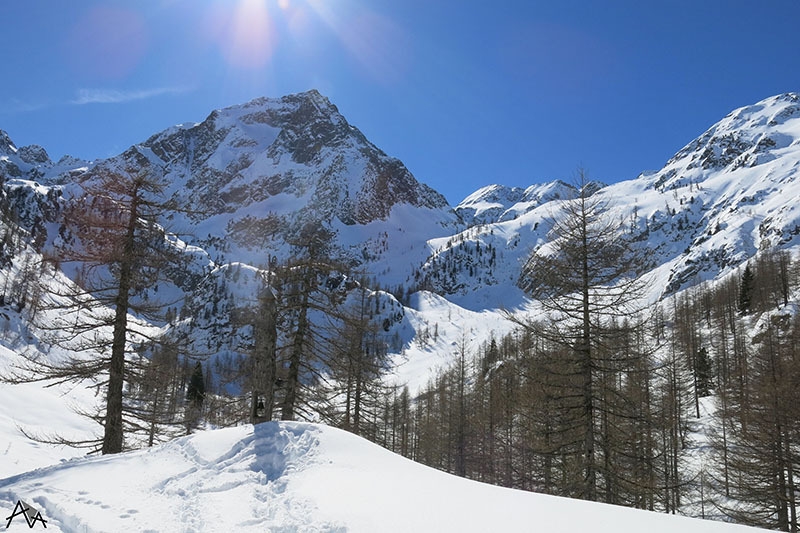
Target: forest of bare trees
512, 411
594, 396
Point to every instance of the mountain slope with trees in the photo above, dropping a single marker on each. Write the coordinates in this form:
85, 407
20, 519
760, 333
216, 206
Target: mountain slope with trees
631, 343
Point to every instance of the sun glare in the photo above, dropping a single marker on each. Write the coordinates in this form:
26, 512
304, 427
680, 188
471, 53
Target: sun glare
248, 34
245, 33
250, 43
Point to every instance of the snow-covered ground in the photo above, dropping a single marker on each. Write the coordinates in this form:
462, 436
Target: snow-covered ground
31, 408
298, 477
277, 477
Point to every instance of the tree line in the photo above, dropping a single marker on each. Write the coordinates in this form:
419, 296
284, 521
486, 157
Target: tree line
310, 343
596, 398
593, 396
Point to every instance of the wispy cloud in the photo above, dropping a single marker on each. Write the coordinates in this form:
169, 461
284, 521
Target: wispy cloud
114, 96
18, 106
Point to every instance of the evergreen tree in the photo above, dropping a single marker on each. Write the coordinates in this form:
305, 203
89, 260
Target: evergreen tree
112, 242
705, 372
746, 290
196, 391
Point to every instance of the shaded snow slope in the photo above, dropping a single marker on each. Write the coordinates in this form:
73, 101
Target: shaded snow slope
286, 476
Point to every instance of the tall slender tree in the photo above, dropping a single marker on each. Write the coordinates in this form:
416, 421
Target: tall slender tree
264, 371
585, 276
112, 245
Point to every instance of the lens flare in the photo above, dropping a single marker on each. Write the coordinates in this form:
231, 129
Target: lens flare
245, 36
382, 50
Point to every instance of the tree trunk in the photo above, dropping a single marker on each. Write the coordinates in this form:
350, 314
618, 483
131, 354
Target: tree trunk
585, 353
113, 430
295, 360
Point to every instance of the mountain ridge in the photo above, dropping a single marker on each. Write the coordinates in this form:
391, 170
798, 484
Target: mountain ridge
258, 171
441, 280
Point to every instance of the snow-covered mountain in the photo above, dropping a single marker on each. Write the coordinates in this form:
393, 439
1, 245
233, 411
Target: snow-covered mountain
298, 146
726, 195
247, 180
249, 177
497, 203
32, 162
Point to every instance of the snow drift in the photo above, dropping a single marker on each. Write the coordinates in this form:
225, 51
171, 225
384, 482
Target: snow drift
289, 476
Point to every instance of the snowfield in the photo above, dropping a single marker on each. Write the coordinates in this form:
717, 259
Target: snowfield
298, 477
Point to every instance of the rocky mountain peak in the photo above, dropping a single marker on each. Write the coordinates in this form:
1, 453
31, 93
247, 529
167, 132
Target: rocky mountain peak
6, 145
252, 175
34, 155
746, 137
498, 203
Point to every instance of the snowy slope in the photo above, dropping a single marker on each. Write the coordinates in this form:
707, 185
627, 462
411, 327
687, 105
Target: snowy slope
284, 476
726, 195
41, 411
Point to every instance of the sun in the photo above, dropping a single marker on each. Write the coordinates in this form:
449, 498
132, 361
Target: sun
247, 31
250, 40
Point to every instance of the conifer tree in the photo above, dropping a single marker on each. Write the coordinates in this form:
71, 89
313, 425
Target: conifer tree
585, 277
746, 290
196, 391
113, 246
762, 457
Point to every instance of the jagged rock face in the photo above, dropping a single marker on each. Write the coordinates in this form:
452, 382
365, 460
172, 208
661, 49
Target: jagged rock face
6, 145
33, 163
488, 204
8, 153
34, 155
299, 146
747, 137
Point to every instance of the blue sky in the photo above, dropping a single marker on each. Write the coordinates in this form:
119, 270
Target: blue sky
465, 93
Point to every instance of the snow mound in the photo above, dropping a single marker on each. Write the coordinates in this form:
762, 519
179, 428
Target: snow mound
298, 477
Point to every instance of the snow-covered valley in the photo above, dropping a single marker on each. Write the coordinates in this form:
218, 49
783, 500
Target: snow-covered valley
439, 281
